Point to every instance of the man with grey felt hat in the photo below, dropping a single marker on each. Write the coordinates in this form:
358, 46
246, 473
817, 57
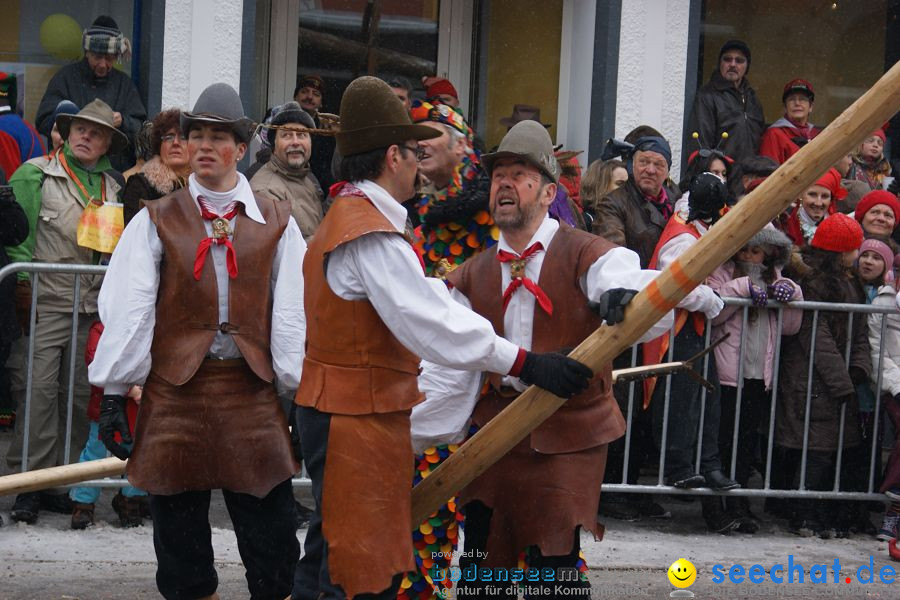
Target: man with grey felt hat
373, 317
546, 286
287, 176
210, 366
54, 190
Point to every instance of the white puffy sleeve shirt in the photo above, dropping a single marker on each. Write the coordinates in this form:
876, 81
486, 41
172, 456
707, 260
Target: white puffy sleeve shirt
450, 396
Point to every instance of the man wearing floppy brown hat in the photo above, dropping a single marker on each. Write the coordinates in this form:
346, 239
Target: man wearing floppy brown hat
545, 286
373, 314
54, 191
203, 307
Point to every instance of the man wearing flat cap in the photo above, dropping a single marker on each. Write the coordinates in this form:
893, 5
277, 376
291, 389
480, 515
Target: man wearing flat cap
728, 104
95, 77
287, 176
209, 416
54, 191
372, 315
310, 94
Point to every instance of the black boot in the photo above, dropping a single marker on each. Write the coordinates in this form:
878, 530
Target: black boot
715, 516
718, 481
739, 508
26, 507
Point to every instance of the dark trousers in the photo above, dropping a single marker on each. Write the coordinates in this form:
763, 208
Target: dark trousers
753, 400
265, 533
684, 413
311, 578
477, 530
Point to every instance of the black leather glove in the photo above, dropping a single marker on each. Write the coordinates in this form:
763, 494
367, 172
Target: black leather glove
113, 418
560, 375
611, 306
858, 375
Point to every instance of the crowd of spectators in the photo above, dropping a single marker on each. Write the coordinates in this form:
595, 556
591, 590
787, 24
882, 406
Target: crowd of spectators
837, 242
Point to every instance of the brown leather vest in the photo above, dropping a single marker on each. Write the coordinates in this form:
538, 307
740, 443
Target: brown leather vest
354, 365
590, 419
187, 310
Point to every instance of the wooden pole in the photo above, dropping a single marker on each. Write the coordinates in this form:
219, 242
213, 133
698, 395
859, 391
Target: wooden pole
729, 234
42, 479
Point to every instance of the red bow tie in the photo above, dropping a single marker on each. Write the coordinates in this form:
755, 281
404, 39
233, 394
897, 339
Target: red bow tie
517, 273
221, 231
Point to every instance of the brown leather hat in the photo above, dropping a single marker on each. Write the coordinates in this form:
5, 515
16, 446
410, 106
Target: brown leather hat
97, 112
372, 117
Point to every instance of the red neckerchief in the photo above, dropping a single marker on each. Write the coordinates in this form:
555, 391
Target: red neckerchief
221, 231
661, 201
517, 273
84, 193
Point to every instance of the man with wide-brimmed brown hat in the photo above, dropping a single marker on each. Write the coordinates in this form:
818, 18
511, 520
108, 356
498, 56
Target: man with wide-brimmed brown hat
54, 191
203, 307
373, 314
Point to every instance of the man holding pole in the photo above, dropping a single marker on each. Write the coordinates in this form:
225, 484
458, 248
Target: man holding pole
546, 287
372, 314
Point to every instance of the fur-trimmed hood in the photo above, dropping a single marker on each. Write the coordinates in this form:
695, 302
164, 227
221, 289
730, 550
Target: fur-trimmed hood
769, 236
160, 176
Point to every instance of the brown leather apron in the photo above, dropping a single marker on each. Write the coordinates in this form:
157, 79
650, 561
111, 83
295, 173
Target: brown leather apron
538, 500
366, 511
223, 429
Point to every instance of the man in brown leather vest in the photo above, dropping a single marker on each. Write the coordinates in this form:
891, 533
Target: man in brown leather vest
372, 315
203, 306
546, 286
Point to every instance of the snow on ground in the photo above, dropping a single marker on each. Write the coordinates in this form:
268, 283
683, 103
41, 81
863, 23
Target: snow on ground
50, 561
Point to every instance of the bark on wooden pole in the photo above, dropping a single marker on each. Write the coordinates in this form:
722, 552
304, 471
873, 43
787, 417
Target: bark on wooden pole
41, 479
730, 233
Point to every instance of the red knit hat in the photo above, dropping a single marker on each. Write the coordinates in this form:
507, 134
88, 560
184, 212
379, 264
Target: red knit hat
837, 233
877, 197
880, 133
438, 85
831, 181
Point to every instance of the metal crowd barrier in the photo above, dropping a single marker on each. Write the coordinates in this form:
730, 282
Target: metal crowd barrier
35, 269
767, 490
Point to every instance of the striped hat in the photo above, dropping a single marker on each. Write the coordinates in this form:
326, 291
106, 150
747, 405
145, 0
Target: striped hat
104, 37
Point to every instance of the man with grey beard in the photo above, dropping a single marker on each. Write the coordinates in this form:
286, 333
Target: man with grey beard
287, 176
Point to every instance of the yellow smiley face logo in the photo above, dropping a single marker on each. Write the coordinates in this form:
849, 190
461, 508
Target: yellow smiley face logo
682, 573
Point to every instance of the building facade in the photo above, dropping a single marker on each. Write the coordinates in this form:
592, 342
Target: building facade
594, 68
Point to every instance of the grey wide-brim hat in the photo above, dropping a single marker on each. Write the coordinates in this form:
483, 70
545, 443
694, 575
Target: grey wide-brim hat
528, 141
97, 112
219, 104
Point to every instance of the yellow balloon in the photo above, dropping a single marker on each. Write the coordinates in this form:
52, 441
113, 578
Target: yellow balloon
682, 573
61, 37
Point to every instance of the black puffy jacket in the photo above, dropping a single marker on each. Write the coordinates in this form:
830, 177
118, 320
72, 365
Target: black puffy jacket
720, 107
13, 231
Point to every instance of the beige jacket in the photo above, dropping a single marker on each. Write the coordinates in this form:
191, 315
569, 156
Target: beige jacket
274, 180
57, 225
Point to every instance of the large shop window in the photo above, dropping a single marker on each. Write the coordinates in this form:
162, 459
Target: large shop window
344, 39
41, 36
517, 63
838, 46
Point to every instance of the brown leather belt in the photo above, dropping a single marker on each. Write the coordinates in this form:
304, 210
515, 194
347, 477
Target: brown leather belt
227, 362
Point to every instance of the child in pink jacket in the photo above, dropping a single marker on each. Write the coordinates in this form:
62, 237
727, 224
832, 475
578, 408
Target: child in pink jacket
754, 273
